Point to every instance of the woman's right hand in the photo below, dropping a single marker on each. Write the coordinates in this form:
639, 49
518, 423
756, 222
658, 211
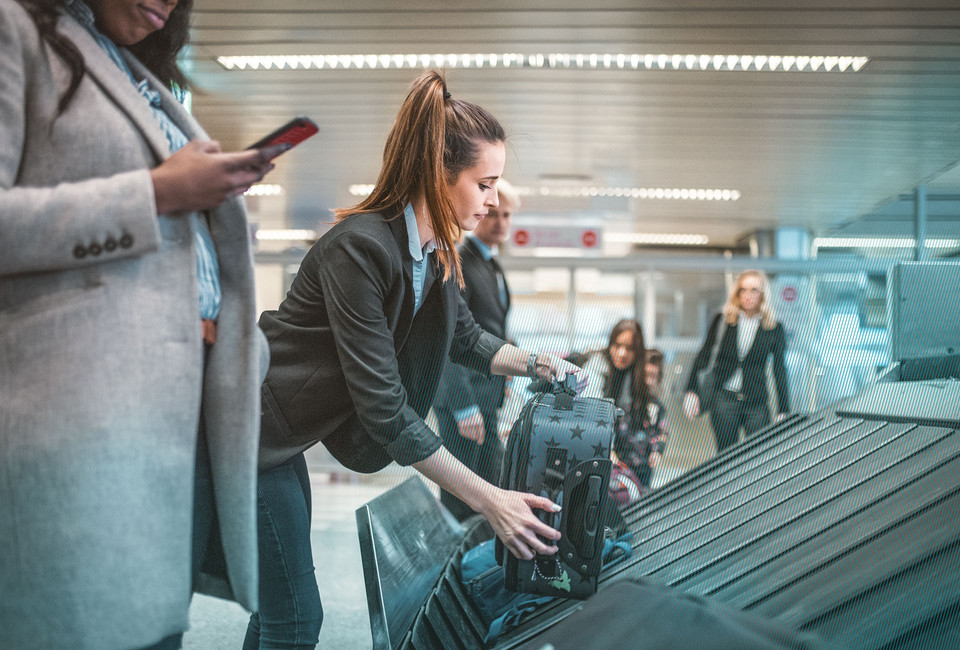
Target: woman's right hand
199, 176
511, 515
691, 405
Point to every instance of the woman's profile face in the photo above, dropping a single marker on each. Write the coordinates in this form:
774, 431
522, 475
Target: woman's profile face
621, 350
127, 22
475, 191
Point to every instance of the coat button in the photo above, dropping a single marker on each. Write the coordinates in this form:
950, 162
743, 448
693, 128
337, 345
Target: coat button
79, 251
110, 245
95, 249
126, 241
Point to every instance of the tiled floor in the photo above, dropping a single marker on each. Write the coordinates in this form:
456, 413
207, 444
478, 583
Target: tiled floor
219, 625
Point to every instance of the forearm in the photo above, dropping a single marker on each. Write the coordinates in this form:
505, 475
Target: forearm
450, 474
512, 361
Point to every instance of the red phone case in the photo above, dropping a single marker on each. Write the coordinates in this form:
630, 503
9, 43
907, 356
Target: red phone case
294, 132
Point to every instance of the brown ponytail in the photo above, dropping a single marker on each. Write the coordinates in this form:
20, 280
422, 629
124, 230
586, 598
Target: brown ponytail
433, 139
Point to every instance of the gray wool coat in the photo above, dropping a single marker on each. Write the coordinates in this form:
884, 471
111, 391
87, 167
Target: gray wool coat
102, 365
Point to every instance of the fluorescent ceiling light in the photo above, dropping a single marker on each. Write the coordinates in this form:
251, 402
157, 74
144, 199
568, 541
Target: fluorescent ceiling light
264, 189
595, 61
662, 193
360, 189
652, 193
881, 242
286, 235
659, 239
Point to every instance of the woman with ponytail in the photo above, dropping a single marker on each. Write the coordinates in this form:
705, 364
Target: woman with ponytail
358, 344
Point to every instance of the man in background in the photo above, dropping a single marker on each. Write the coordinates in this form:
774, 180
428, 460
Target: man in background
467, 402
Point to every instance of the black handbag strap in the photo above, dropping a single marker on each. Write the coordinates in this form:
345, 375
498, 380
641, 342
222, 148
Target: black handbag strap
715, 351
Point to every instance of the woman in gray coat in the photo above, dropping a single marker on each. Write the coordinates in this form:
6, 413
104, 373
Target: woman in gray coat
121, 229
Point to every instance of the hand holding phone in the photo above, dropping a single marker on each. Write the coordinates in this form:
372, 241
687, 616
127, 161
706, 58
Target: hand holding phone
292, 133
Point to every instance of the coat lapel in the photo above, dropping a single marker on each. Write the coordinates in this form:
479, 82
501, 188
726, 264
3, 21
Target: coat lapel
116, 85
399, 229
754, 346
173, 108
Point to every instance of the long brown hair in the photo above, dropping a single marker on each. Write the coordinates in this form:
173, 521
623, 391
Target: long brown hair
638, 385
158, 51
433, 139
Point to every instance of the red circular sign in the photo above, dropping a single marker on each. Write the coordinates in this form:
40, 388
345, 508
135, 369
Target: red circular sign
521, 237
789, 294
589, 238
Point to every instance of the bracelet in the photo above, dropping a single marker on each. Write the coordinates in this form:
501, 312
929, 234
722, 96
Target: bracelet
532, 365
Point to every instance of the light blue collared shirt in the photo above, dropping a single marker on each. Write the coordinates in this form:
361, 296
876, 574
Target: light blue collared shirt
485, 251
208, 269
418, 254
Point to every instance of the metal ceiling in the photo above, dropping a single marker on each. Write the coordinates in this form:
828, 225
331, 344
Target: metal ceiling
831, 152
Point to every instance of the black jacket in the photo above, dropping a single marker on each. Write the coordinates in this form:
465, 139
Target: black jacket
461, 387
350, 364
754, 387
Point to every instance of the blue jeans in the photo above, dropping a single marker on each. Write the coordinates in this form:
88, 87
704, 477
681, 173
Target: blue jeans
290, 611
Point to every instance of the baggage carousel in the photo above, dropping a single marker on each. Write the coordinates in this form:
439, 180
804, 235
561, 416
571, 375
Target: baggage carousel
844, 523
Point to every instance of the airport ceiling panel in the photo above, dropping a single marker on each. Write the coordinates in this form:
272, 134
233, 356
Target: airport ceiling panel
798, 148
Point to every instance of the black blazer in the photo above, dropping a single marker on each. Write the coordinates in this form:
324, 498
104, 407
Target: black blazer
461, 387
350, 364
765, 343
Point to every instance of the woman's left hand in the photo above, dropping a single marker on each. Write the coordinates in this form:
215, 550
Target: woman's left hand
511, 516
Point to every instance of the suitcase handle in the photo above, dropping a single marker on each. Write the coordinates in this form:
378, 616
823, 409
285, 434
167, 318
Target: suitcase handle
580, 522
564, 391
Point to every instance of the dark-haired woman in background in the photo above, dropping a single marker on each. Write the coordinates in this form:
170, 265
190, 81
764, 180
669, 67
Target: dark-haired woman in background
131, 359
617, 372
750, 336
359, 342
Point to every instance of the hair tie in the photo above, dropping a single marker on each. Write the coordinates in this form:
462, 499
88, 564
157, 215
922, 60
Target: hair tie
446, 95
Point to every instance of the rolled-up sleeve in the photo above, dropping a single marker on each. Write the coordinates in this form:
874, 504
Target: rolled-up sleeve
415, 443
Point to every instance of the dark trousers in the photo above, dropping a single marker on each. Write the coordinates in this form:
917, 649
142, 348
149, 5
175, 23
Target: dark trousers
290, 613
729, 414
483, 459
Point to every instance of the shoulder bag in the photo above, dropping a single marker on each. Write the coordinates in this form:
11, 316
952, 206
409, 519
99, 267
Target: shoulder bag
706, 378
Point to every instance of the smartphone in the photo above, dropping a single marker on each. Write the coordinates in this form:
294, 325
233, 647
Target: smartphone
293, 132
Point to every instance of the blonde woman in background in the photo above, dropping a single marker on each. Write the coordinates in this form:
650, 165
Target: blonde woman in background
750, 335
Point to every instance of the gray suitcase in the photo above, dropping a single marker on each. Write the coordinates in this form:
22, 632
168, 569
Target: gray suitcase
559, 447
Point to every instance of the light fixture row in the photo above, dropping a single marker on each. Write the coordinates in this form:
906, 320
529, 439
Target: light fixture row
660, 239
286, 235
264, 189
663, 193
595, 61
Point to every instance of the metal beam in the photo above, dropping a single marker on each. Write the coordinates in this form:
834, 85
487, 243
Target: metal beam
645, 263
